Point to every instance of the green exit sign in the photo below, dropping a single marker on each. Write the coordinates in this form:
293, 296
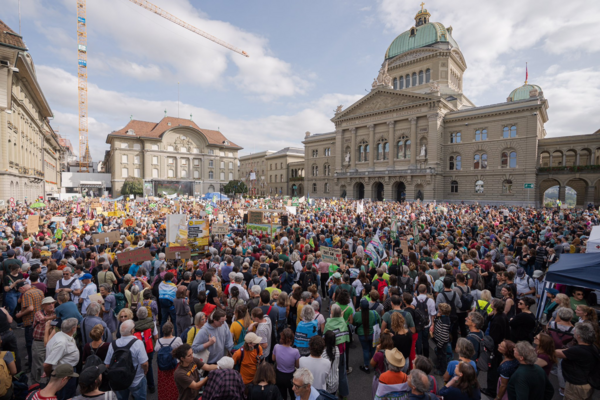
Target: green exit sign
528, 186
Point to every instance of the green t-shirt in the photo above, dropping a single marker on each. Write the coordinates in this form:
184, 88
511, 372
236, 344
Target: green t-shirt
374, 319
349, 288
387, 317
346, 311
574, 304
385, 277
332, 269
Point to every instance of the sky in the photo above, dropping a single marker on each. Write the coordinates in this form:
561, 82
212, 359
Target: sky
306, 58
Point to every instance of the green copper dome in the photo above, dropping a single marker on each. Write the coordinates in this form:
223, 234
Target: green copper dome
422, 36
522, 93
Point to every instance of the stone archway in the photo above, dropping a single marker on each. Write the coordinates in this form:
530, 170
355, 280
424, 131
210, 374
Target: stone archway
377, 191
543, 187
343, 192
419, 192
300, 190
399, 191
580, 187
359, 191
294, 190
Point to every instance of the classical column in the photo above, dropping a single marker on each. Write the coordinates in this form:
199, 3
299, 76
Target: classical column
4, 140
550, 160
562, 192
577, 159
391, 144
371, 145
433, 143
564, 159
147, 160
339, 153
589, 195
413, 141
353, 150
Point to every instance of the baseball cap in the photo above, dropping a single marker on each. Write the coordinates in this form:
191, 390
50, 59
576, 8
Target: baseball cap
20, 285
251, 337
198, 272
10, 253
86, 276
63, 371
90, 374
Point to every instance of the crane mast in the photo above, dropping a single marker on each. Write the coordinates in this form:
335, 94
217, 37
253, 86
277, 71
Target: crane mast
82, 85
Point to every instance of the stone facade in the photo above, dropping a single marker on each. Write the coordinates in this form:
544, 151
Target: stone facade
172, 155
255, 163
30, 153
278, 171
428, 141
273, 172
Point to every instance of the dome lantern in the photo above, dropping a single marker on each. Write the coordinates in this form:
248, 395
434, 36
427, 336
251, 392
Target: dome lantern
422, 16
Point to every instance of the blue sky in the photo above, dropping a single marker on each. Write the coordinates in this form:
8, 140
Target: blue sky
305, 59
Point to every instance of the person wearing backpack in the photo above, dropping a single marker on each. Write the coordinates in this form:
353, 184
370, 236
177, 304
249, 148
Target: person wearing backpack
498, 330
8, 369
145, 330
167, 390
127, 363
380, 283
450, 297
580, 364
62, 349
425, 312
466, 302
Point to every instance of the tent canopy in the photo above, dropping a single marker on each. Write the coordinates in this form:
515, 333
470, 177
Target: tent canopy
576, 270
593, 243
219, 196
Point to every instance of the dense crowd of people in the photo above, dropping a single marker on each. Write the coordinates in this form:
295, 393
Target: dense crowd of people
433, 295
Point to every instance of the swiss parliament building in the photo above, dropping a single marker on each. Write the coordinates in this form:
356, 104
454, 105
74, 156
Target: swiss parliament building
416, 135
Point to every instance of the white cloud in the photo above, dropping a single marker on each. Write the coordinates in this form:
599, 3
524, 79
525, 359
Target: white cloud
488, 31
110, 110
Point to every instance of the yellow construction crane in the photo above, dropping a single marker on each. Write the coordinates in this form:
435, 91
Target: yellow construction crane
82, 66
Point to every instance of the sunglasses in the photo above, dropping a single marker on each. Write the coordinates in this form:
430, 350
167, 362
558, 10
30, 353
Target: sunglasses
298, 386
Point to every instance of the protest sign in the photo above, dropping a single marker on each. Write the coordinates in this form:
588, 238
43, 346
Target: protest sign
173, 223
404, 247
136, 256
331, 255
178, 252
220, 229
129, 222
107, 237
59, 219
197, 234
75, 222
255, 217
33, 224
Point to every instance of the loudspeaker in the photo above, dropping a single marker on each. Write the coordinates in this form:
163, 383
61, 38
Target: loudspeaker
245, 219
284, 220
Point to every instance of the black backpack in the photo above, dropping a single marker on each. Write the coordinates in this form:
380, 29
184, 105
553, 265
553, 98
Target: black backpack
406, 286
94, 361
593, 376
121, 372
486, 353
466, 299
421, 315
452, 305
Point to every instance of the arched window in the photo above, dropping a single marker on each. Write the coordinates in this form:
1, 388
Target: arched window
401, 83
509, 132
326, 187
361, 153
171, 173
477, 161
407, 149
479, 186
480, 134
458, 163
451, 163
414, 79
504, 160
395, 83
314, 187
379, 151
211, 175
407, 77
454, 187
421, 77
513, 131
512, 162
455, 137
400, 149
427, 75
366, 152
484, 161
386, 151
507, 186
184, 173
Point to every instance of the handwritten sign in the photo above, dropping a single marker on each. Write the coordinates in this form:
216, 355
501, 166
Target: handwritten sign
106, 238
255, 217
129, 222
220, 229
59, 219
331, 255
33, 223
178, 253
136, 256
404, 247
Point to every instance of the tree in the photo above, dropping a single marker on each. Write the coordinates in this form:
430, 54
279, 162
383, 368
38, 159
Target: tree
235, 187
132, 186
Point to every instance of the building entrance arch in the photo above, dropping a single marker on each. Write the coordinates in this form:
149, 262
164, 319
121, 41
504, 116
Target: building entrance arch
377, 191
359, 191
399, 191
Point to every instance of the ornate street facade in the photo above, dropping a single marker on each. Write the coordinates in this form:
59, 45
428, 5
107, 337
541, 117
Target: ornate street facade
417, 136
30, 152
171, 156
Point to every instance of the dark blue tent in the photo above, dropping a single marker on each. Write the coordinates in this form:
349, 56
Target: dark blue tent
576, 270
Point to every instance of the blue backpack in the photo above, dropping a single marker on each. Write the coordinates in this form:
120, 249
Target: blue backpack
242, 338
184, 335
164, 359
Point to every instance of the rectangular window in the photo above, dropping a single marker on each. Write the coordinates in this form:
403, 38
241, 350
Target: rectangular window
196, 150
222, 153
124, 145
196, 162
137, 147
196, 174
124, 173
154, 147
231, 176
137, 173
136, 159
170, 161
184, 161
230, 165
222, 164
230, 154
222, 176
211, 163
155, 173
124, 158
171, 173
211, 152
155, 160
170, 148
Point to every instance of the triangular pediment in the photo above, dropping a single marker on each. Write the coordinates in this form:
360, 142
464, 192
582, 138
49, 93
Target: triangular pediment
383, 100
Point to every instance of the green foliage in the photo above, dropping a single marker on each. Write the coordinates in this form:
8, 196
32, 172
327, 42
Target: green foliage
235, 187
133, 186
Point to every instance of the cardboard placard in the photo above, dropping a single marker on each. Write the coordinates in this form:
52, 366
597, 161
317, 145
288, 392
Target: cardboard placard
178, 252
129, 222
165, 210
331, 255
136, 256
33, 224
106, 238
59, 219
404, 247
255, 217
220, 229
